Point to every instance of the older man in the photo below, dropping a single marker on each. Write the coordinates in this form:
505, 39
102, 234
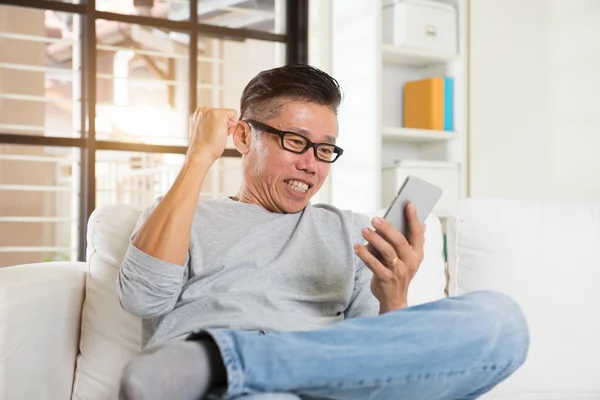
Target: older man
266, 296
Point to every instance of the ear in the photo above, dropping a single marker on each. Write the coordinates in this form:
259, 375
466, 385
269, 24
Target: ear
242, 137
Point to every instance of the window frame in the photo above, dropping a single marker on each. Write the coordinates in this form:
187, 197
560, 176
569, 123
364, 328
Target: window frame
295, 39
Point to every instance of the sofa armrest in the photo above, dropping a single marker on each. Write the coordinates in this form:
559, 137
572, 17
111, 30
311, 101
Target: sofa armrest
40, 311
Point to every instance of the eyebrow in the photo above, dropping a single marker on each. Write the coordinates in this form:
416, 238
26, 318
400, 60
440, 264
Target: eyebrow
305, 132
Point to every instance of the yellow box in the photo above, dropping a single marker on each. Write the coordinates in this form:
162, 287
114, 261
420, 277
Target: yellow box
424, 104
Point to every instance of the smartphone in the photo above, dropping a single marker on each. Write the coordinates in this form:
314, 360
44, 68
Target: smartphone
422, 194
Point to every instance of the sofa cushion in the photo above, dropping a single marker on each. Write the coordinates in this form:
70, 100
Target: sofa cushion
544, 255
109, 335
429, 283
40, 308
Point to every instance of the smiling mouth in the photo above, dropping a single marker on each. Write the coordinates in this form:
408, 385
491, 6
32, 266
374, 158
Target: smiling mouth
298, 186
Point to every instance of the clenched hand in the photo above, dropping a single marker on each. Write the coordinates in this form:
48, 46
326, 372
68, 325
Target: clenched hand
208, 131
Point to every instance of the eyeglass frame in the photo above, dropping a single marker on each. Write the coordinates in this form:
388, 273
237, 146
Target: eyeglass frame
261, 126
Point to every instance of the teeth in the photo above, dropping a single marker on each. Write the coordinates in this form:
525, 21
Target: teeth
298, 186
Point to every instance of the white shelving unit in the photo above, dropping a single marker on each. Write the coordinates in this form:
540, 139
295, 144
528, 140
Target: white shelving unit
400, 65
372, 75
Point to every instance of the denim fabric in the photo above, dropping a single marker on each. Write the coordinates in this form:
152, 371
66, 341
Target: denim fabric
455, 348
268, 396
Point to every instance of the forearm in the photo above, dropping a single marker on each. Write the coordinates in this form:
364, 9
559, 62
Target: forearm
148, 287
165, 235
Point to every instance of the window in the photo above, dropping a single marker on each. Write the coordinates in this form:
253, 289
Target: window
95, 98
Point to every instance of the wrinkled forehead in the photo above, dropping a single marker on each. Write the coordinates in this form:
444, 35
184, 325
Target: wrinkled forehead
315, 121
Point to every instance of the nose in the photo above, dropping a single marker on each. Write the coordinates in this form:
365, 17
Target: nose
307, 162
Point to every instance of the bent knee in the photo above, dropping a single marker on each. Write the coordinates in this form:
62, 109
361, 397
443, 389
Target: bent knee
494, 300
490, 300
504, 317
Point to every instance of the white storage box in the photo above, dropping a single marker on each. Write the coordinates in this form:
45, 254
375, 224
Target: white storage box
420, 24
446, 175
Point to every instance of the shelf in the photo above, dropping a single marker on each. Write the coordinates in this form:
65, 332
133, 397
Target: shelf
417, 135
414, 57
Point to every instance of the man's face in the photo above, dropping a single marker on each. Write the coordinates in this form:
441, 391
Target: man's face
280, 180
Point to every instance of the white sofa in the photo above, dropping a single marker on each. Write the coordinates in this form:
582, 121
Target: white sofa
63, 334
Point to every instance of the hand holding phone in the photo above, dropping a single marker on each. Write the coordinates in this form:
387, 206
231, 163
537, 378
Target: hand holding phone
400, 253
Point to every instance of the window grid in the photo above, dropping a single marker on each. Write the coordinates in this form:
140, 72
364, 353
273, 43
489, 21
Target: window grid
81, 140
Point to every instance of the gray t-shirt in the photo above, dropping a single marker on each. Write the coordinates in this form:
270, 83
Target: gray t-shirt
248, 268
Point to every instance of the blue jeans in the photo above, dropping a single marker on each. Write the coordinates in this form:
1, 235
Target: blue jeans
455, 348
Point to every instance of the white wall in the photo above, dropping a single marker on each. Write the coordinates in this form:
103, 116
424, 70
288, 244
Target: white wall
319, 56
535, 99
356, 176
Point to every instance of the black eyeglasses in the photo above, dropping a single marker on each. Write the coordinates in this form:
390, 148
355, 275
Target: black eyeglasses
299, 144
